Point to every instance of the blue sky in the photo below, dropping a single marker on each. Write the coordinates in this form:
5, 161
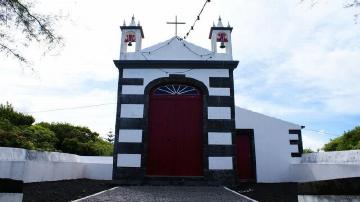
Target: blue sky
298, 62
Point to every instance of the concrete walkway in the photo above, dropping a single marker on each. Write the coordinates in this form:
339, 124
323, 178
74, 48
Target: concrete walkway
166, 193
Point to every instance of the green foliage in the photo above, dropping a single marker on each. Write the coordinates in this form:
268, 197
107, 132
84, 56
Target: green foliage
78, 140
308, 150
16, 118
348, 141
65, 130
16, 130
110, 137
91, 148
42, 138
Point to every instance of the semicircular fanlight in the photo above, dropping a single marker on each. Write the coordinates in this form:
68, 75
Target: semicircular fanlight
176, 89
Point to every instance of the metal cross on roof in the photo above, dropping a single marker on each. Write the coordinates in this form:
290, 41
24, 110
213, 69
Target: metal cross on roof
175, 23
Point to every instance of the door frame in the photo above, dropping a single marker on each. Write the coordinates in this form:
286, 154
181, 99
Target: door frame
180, 79
250, 133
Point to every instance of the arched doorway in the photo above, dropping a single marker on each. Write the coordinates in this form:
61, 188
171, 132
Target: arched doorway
175, 131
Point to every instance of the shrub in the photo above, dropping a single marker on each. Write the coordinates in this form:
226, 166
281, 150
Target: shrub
78, 140
11, 136
41, 137
16, 118
16, 130
348, 141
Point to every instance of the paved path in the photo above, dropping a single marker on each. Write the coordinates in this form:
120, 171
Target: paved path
166, 193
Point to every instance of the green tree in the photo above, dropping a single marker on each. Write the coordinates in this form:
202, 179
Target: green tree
42, 138
308, 150
17, 130
12, 124
18, 16
10, 136
16, 118
348, 141
78, 139
110, 137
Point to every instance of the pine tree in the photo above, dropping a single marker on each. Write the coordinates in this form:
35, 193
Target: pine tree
110, 137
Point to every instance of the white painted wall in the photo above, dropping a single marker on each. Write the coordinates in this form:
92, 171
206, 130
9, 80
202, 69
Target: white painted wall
132, 110
340, 157
328, 198
98, 171
326, 166
129, 160
32, 166
130, 135
219, 113
35, 166
152, 74
306, 172
216, 138
220, 163
272, 147
219, 91
11, 197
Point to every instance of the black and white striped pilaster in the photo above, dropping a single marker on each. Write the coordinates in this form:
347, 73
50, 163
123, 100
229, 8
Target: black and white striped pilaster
11, 190
221, 124
129, 129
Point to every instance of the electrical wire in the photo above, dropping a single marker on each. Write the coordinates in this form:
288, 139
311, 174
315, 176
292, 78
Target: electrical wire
72, 108
196, 19
113, 103
320, 132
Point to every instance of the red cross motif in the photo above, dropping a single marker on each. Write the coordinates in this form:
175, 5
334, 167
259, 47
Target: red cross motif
221, 37
130, 38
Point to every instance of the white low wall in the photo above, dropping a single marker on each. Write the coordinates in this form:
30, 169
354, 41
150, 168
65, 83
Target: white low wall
11, 197
343, 157
326, 166
34, 166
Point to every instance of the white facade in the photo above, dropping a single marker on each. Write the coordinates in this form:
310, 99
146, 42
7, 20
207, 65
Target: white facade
149, 75
137, 110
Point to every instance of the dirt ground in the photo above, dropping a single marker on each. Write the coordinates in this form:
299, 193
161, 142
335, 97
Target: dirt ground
279, 192
65, 190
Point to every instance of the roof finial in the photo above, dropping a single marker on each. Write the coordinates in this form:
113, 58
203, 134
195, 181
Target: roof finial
220, 23
124, 24
138, 23
213, 24
132, 21
228, 24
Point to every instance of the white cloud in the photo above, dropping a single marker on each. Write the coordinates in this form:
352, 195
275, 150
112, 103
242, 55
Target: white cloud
314, 140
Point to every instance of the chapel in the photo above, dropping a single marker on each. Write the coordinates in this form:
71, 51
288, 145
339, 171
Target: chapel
177, 120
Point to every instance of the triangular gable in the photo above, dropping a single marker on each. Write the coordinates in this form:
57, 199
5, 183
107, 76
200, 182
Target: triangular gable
175, 48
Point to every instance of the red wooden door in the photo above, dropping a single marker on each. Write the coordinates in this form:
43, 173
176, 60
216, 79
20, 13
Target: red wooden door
244, 159
175, 135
